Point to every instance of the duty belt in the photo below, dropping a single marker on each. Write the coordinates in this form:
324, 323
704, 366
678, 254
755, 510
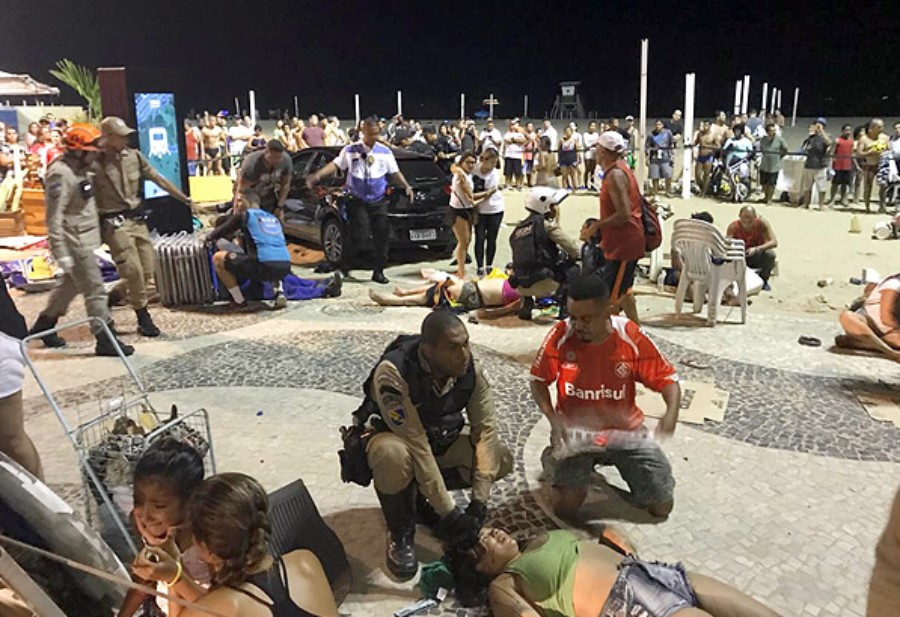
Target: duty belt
116, 219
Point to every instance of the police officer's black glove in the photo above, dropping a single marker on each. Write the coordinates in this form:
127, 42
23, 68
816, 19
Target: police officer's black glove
459, 528
477, 510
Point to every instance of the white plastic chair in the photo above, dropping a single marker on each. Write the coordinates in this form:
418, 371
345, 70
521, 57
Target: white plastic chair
700, 243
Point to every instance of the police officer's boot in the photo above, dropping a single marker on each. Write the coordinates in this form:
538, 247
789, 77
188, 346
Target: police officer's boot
400, 515
43, 324
145, 323
105, 346
527, 307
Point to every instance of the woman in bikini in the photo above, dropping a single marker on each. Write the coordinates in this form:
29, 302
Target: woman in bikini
558, 575
228, 516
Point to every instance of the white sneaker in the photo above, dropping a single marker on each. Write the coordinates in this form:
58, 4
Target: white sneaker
280, 300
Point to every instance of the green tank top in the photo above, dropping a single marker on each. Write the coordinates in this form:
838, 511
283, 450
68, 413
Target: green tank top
547, 574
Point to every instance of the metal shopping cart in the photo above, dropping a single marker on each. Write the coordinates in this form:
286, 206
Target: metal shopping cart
109, 444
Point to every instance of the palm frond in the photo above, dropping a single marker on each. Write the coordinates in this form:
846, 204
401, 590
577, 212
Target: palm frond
83, 81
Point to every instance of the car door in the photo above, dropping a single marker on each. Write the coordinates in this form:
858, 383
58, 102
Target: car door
330, 188
300, 206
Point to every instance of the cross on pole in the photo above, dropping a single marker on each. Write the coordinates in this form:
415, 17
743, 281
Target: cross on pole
490, 102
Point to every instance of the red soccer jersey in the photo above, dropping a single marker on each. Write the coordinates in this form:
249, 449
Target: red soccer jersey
595, 383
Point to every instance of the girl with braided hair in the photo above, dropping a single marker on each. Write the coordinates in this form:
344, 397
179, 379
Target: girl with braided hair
228, 514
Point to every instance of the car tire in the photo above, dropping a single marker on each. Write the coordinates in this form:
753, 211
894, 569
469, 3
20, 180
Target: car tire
443, 251
333, 240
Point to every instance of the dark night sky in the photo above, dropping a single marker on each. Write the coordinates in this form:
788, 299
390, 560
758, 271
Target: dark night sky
843, 55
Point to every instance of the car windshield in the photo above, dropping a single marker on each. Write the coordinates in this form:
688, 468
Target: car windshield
419, 172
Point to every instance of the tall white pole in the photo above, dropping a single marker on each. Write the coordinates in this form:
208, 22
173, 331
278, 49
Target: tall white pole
491, 105
796, 100
399, 103
779, 100
746, 98
688, 135
253, 107
462, 105
356, 108
642, 168
525, 112
737, 97
765, 100
296, 107
237, 107
774, 94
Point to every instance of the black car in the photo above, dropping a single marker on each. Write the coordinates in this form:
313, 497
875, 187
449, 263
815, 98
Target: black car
319, 215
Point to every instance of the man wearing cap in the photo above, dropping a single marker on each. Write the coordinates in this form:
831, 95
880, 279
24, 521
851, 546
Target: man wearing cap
620, 228
73, 234
815, 170
117, 184
490, 137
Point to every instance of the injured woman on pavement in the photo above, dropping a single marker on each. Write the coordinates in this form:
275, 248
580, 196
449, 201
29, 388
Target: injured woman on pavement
558, 575
491, 297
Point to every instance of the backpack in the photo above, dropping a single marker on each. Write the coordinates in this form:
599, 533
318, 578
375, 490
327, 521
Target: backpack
652, 226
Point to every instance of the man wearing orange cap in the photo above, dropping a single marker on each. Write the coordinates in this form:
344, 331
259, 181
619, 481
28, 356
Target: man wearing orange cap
119, 174
73, 231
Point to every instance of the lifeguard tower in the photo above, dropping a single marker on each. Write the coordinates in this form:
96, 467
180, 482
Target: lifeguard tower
568, 103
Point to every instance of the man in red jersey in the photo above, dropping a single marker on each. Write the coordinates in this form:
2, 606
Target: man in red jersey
596, 359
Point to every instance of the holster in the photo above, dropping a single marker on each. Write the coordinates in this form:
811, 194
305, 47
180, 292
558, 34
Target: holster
354, 463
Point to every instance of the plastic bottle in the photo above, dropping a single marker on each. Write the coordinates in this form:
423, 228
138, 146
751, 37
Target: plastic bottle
855, 226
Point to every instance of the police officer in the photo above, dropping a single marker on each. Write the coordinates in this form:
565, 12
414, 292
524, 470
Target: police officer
536, 243
120, 172
73, 230
368, 165
415, 399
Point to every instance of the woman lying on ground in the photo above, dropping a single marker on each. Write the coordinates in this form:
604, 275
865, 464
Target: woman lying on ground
492, 297
229, 517
874, 325
558, 575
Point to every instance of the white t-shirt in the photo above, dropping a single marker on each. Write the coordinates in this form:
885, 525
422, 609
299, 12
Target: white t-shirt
513, 149
457, 196
553, 135
12, 366
494, 203
491, 139
590, 141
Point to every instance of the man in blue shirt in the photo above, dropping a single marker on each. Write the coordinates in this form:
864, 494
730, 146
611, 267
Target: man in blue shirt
368, 165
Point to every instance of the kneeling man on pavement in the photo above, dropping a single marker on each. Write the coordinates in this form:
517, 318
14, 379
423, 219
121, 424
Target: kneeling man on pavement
596, 359
423, 446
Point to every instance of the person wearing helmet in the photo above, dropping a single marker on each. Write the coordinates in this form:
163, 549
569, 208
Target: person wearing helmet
536, 243
73, 230
119, 175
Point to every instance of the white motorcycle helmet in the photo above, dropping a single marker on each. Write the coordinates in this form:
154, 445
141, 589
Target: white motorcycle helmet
541, 198
882, 231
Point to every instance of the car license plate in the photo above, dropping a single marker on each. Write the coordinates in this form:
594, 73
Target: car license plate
422, 235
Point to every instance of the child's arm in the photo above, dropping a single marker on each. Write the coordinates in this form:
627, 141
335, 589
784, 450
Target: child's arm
133, 601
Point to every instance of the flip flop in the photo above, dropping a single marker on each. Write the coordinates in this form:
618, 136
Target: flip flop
809, 341
691, 362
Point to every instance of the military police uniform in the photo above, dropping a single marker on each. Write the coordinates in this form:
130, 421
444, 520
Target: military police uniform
423, 445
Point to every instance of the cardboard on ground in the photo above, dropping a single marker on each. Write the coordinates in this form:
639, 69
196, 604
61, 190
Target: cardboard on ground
883, 405
700, 401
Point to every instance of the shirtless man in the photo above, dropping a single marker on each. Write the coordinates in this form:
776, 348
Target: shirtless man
720, 130
869, 149
705, 143
213, 136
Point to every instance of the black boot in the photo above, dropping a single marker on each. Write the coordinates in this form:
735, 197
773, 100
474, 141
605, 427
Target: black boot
146, 327
43, 324
333, 288
379, 277
425, 514
400, 515
105, 346
527, 306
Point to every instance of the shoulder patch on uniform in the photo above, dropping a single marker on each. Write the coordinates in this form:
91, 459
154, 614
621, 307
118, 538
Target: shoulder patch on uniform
54, 189
397, 416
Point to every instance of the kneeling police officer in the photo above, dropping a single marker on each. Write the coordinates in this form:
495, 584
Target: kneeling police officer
415, 399
536, 244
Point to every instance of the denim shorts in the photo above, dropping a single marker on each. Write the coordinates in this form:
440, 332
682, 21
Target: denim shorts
646, 470
649, 589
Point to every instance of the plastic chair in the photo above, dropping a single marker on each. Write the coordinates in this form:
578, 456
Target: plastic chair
711, 263
297, 524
